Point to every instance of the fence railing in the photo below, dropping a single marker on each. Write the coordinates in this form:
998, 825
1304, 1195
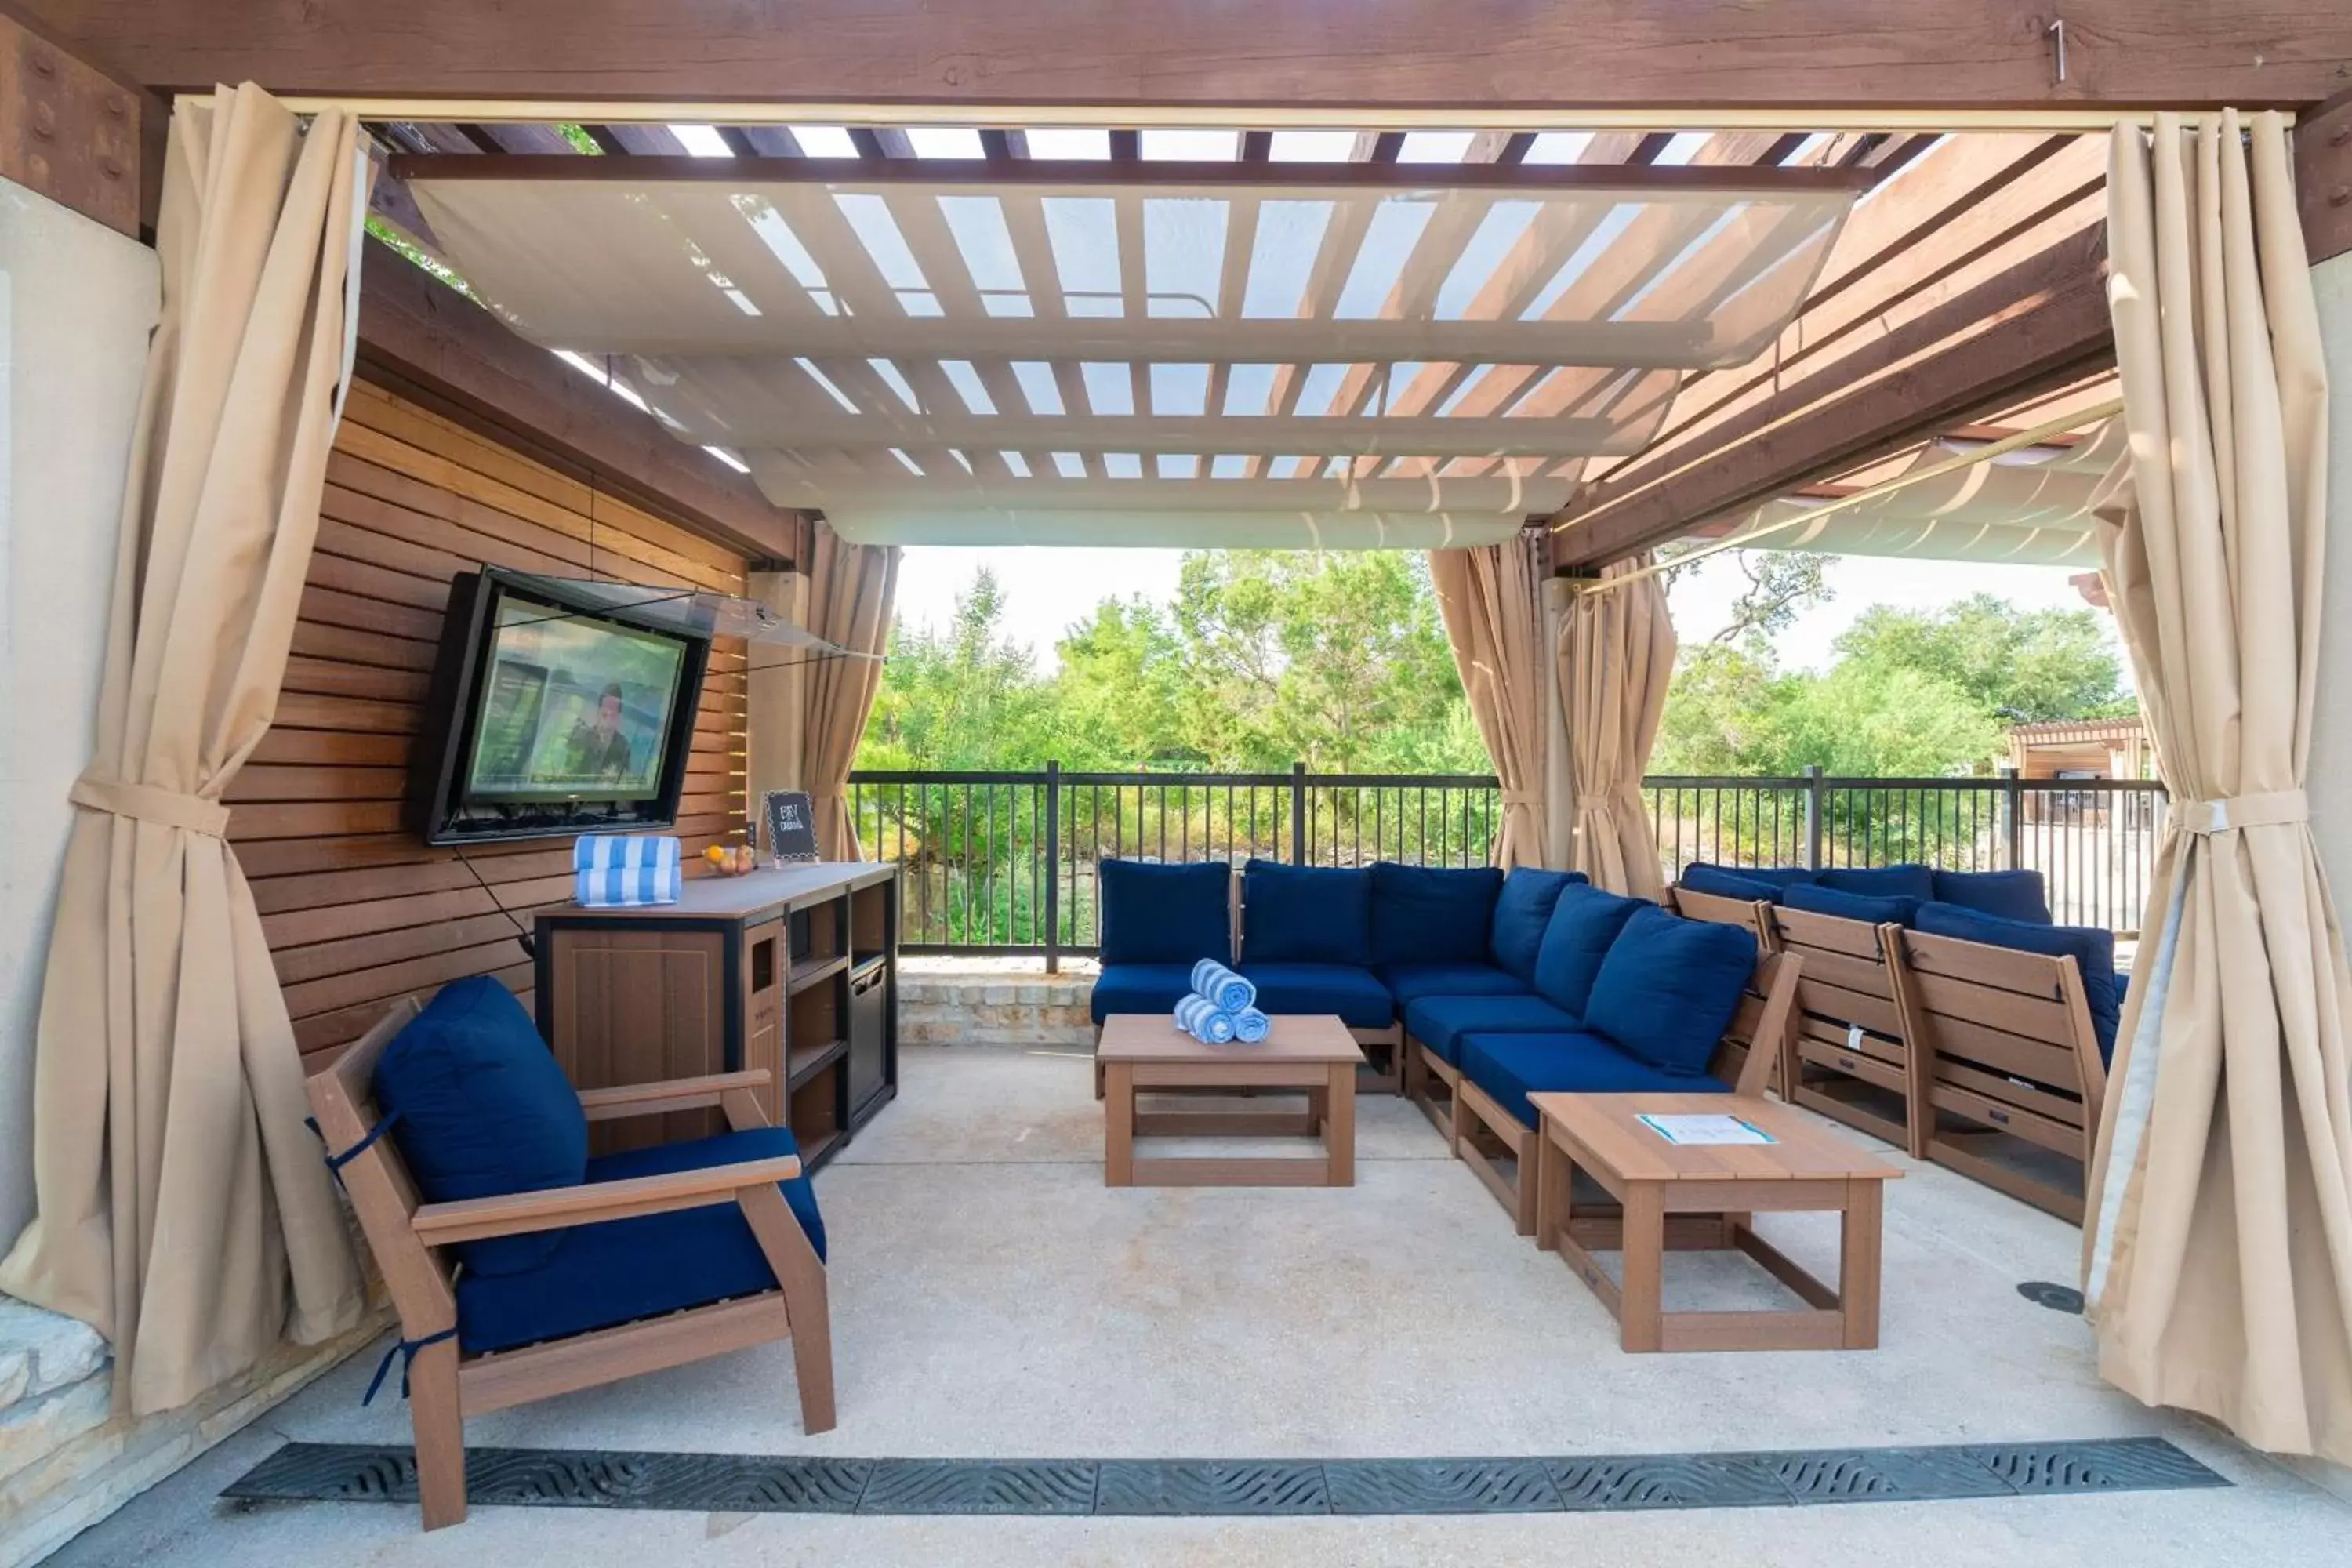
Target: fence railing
1009, 862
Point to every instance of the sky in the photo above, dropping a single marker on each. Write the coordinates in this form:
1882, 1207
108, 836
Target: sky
1047, 590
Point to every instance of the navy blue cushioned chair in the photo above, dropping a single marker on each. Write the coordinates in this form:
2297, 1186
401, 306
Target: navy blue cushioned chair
1493, 1117
1157, 921
1870, 909
1431, 915
1408, 983
1437, 1024
2011, 1027
502, 1242
1307, 944
2013, 895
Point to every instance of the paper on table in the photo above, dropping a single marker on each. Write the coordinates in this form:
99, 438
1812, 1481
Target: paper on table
1706, 1129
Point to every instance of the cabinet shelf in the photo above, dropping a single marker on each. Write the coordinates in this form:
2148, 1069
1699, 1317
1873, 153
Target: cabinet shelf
809, 970
802, 1063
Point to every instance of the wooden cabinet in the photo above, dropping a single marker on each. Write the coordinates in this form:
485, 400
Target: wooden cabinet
793, 971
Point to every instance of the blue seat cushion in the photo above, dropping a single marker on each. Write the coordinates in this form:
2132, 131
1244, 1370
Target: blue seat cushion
1522, 912
1407, 983
1440, 1022
1910, 880
2011, 895
1584, 922
1139, 988
1306, 914
602, 1274
2092, 949
1154, 913
1510, 1067
1353, 993
1723, 883
1868, 908
483, 1111
1669, 987
1432, 914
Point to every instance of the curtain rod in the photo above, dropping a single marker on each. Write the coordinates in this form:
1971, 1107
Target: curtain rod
2051, 119
1983, 454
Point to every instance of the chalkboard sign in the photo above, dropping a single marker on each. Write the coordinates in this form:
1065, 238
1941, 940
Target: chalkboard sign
792, 826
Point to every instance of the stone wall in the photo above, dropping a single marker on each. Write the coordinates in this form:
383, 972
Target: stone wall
994, 1002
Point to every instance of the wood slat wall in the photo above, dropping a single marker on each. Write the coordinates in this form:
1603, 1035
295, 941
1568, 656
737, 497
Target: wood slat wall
357, 911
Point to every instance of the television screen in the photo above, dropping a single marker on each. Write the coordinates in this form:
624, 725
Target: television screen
572, 707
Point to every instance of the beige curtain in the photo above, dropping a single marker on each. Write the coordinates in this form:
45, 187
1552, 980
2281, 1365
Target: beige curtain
2218, 1255
1616, 658
1491, 601
850, 591
179, 1193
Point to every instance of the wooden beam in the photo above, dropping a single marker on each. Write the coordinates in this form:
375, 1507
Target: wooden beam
430, 343
1209, 54
1738, 179
2322, 179
2037, 325
68, 130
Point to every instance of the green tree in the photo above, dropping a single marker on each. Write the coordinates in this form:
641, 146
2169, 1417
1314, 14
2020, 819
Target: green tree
2023, 667
964, 698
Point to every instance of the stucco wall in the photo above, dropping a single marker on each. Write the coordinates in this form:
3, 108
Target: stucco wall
77, 303
2331, 749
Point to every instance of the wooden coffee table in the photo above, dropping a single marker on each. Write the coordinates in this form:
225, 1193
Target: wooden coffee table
1700, 1198
1310, 1053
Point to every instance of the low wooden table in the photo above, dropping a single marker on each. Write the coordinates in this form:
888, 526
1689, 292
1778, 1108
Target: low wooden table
1714, 1188
1310, 1053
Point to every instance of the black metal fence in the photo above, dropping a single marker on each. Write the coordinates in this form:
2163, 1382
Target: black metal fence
1009, 862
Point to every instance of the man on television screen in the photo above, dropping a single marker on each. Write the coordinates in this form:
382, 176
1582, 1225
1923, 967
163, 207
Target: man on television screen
598, 751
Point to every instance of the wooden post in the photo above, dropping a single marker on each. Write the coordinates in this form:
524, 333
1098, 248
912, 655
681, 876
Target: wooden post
68, 130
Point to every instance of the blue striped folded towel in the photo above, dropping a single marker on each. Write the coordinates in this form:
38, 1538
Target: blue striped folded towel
1204, 1020
1222, 987
1250, 1026
611, 870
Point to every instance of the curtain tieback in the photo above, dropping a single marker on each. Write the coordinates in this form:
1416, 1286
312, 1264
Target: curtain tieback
2275, 809
147, 803
1523, 797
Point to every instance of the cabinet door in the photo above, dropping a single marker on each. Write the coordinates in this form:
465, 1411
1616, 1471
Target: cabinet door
638, 1006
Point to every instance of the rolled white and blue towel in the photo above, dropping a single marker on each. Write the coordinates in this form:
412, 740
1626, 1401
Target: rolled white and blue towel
1250, 1026
1204, 1020
616, 871
1229, 991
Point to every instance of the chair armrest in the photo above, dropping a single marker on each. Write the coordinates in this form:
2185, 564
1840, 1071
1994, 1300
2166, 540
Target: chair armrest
672, 1094
555, 1208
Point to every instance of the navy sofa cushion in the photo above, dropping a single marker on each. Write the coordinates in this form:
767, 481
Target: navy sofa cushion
1522, 912
1779, 875
2011, 895
1440, 1022
1583, 923
1408, 983
602, 1274
1355, 993
1153, 913
2092, 949
1139, 988
1864, 907
1669, 987
1905, 882
1725, 883
1510, 1067
1306, 914
1432, 914
483, 1111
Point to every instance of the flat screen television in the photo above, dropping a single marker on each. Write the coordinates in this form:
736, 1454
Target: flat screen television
551, 712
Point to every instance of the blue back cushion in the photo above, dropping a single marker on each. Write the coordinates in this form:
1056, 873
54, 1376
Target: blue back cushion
1153, 913
1725, 883
1584, 922
1522, 912
483, 1111
1867, 908
1904, 881
1432, 914
1669, 988
2011, 895
1779, 875
1306, 914
2092, 949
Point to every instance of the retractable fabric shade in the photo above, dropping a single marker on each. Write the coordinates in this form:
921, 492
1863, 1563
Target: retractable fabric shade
1017, 352
2218, 1246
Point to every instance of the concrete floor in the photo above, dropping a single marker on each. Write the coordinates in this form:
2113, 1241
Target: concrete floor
991, 1299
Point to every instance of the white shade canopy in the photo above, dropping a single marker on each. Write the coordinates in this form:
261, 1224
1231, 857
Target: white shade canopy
1012, 350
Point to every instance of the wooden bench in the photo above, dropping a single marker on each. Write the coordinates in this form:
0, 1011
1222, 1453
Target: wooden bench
1756, 914
1484, 1134
2004, 1043
1851, 1033
411, 1241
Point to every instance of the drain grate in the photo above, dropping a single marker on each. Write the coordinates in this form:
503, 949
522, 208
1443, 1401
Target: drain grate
754, 1483
2057, 1297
